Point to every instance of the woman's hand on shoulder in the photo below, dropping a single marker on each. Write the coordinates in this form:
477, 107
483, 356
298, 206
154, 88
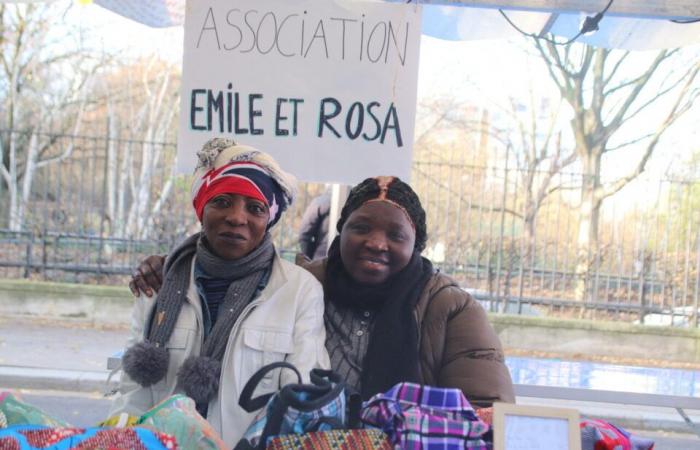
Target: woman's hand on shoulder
148, 276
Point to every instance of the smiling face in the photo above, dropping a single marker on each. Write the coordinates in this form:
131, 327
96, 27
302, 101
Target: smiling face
376, 242
234, 224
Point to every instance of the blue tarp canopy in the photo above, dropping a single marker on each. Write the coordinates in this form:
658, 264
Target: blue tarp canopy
628, 24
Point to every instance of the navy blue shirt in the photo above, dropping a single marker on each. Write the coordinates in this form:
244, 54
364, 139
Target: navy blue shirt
212, 292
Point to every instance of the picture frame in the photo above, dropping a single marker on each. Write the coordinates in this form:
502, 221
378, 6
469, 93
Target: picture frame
533, 427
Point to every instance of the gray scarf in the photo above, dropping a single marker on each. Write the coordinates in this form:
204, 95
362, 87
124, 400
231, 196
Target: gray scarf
147, 362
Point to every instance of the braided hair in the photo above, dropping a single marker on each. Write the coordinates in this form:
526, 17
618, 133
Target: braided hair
398, 192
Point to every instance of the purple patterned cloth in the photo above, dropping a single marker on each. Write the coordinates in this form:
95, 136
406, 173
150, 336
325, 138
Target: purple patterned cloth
426, 418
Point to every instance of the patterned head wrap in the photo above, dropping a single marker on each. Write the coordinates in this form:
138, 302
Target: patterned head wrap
393, 191
227, 168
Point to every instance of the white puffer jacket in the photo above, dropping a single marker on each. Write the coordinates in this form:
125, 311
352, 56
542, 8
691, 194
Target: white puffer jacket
285, 322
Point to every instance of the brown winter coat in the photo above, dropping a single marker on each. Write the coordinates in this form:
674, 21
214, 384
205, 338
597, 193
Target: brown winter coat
458, 346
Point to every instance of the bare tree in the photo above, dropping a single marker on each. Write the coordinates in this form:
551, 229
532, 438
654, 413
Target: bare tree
606, 90
44, 82
539, 153
145, 111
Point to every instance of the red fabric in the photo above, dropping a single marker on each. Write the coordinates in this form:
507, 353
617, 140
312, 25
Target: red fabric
225, 185
598, 434
485, 414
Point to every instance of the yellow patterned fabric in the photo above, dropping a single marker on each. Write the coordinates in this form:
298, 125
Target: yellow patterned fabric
120, 421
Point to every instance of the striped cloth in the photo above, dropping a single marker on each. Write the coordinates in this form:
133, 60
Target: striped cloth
212, 291
347, 338
426, 418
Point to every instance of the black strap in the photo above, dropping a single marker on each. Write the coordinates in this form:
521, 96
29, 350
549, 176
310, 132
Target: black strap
353, 398
320, 389
323, 377
250, 404
354, 408
289, 397
244, 444
322, 384
273, 423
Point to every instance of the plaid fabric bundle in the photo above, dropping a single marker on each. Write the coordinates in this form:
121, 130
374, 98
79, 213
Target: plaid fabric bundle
333, 440
323, 405
38, 437
601, 435
419, 417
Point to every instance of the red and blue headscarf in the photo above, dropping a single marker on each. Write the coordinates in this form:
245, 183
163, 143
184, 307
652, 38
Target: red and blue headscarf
244, 178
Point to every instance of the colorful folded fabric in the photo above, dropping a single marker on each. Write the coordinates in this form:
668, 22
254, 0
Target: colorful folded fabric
419, 417
175, 417
598, 434
16, 412
178, 417
485, 414
37, 437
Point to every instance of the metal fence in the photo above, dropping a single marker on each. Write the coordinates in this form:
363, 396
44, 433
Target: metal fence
91, 216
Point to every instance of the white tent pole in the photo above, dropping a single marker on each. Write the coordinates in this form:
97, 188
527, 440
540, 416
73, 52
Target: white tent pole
339, 192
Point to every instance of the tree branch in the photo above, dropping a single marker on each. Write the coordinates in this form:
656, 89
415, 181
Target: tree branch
623, 85
550, 132
619, 117
76, 131
628, 143
554, 168
552, 60
473, 205
661, 93
676, 111
615, 68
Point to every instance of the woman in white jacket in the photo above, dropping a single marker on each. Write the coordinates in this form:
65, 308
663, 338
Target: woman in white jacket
228, 304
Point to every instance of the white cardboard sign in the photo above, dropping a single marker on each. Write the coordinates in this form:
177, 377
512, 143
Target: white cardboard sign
328, 87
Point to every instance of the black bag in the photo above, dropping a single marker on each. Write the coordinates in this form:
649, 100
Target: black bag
327, 403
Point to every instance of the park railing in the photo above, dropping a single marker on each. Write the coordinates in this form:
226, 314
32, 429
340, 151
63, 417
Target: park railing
92, 215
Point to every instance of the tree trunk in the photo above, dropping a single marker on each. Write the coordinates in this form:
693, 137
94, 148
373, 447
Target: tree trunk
138, 212
165, 192
12, 189
29, 170
589, 217
124, 175
112, 167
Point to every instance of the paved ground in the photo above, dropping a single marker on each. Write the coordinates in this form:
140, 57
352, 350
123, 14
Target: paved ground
61, 367
58, 345
81, 409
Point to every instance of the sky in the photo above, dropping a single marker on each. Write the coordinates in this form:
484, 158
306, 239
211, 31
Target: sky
110, 30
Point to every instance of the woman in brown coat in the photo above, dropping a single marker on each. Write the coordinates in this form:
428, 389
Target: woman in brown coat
390, 316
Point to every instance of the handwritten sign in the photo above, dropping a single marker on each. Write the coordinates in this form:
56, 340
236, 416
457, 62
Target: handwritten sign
521, 427
327, 87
